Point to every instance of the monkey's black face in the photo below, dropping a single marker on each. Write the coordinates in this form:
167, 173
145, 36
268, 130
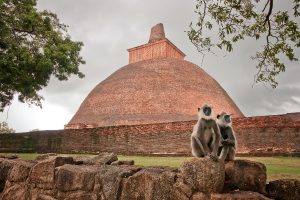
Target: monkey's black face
207, 111
227, 118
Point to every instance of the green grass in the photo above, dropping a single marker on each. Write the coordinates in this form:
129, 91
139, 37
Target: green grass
280, 167
26, 156
155, 160
277, 167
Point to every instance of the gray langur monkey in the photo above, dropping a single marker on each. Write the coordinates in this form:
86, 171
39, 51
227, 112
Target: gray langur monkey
205, 137
228, 142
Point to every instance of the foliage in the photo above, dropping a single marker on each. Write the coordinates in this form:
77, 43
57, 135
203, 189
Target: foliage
235, 20
4, 129
33, 46
34, 130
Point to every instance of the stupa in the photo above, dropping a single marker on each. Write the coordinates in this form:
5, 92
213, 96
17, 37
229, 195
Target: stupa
157, 86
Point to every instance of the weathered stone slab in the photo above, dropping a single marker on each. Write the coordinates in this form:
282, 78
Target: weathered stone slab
45, 197
78, 195
239, 195
108, 181
20, 170
245, 175
123, 162
288, 189
148, 184
17, 174
203, 174
100, 159
182, 190
5, 167
15, 192
201, 196
9, 156
43, 171
45, 156
104, 158
75, 177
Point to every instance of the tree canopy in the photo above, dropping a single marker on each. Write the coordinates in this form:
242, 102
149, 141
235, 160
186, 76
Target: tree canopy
235, 20
34, 46
4, 128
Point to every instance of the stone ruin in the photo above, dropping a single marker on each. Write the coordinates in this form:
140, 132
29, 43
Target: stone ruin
52, 177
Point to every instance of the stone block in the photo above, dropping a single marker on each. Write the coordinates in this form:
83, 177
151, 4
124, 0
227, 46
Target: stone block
203, 174
288, 189
44, 170
75, 177
15, 192
148, 184
104, 158
200, 196
5, 167
123, 162
78, 195
45, 156
108, 181
245, 175
183, 188
20, 170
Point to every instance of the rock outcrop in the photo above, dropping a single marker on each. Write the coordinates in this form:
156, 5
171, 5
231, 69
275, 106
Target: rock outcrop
55, 177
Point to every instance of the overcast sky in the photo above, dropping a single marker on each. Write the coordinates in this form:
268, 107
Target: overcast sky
109, 28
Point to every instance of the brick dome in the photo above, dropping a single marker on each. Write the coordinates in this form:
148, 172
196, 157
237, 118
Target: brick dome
152, 90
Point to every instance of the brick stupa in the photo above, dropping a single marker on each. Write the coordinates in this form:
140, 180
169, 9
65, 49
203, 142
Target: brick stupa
157, 85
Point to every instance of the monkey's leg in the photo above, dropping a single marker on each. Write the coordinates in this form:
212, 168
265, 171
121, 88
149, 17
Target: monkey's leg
224, 153
197, 147
220, 150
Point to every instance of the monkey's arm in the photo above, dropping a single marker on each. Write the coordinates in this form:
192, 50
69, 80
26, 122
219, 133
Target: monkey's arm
199, 144
217, 139
230, 141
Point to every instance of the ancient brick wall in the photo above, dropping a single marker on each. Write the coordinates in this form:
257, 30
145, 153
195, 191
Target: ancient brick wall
267, 135
37, 141
270, 135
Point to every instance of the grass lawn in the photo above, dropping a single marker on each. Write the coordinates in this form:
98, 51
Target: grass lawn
277, 167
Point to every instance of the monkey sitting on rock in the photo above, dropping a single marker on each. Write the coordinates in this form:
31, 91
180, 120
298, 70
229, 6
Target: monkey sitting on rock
228, 142
206, 135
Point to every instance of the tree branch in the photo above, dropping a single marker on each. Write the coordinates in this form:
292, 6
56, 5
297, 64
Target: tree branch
269, 12
203, 16
266, 6
268, 20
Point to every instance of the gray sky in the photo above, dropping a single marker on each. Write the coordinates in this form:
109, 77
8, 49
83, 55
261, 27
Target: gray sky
109, 28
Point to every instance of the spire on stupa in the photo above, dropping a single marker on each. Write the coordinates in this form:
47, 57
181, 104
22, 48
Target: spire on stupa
157, 47
157, 33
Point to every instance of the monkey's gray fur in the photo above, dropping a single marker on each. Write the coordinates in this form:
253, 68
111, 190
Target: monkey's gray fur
228, 142
206, 135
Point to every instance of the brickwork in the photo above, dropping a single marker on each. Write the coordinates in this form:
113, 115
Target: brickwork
152, 91
157, 47
157, 33
267, 135
160, 49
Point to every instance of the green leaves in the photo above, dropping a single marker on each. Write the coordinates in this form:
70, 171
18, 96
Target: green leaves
235, 20
33, 46
4, 128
